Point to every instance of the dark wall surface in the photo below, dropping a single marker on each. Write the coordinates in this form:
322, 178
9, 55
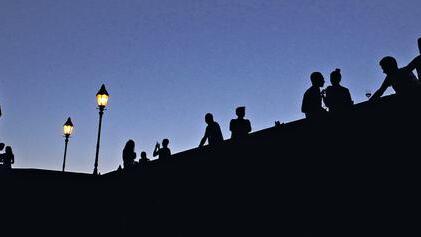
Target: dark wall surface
355, 173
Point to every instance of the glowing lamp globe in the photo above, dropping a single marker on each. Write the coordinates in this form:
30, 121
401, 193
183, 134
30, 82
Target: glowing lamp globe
68, 127
102, 97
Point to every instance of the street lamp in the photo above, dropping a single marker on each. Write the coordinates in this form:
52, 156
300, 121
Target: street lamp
102, 100
67, 129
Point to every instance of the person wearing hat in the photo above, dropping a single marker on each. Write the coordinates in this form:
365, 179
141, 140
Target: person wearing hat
240, 127
337, 97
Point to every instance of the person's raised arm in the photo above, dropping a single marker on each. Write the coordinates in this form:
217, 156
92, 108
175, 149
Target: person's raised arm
156, 150
414, 64
381, 90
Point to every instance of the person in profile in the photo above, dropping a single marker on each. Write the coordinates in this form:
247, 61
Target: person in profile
213, 132
337, 97
163, 153
240, 127
402, 80
143, 159
129, 155
8, 158
312, 99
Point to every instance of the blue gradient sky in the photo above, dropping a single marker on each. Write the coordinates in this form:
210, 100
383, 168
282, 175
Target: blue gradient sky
166, 63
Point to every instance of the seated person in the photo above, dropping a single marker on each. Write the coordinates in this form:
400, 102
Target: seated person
337, 97
240, 127
213, 132
312, 100
163, 153
402, 80
129, 155
143, 159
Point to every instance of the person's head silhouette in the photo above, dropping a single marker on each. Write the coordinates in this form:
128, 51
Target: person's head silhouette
209, 118
389, 65
9, 150
335, 77
143, 155
240, 112
1, 146
165, 142
130, 145
317, 79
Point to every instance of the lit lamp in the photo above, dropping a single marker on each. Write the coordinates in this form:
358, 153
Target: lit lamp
67, 130
102, 100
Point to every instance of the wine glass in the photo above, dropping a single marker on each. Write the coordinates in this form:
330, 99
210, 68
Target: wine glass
368, 93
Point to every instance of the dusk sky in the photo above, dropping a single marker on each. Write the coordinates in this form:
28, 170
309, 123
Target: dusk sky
167, 63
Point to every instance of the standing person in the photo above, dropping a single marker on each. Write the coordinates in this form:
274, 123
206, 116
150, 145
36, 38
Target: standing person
337, 97
8, 158
129, 155
312, 99
240, 127
402, 80
163, 153
213, 132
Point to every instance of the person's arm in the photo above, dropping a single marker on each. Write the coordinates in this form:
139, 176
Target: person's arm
414, 64
381, 90
248, 126
202, 142
349, 98
156, 150
304, 104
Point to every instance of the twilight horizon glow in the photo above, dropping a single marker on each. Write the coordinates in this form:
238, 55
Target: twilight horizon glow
167, 63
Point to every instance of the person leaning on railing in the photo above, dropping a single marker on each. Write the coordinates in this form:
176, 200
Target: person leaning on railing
402, 80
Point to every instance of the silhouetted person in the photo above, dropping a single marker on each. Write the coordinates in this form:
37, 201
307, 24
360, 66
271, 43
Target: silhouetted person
402, 80
213, 132
1, 155
312, 100
337, 97
8, 158
143, 159
129, 155
240, 127
163, 153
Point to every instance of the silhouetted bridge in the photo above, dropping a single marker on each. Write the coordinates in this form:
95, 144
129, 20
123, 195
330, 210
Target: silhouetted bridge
355, 173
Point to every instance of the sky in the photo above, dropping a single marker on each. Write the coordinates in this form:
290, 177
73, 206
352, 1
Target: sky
167, 63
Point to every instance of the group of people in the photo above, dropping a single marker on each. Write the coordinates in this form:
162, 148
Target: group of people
239, 128
337, 98
129, 154
7, 158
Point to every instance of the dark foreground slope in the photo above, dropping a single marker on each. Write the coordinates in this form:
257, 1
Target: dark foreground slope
355, 173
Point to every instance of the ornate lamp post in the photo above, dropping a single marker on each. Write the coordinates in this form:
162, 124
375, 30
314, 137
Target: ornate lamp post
102, 100
67, 129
